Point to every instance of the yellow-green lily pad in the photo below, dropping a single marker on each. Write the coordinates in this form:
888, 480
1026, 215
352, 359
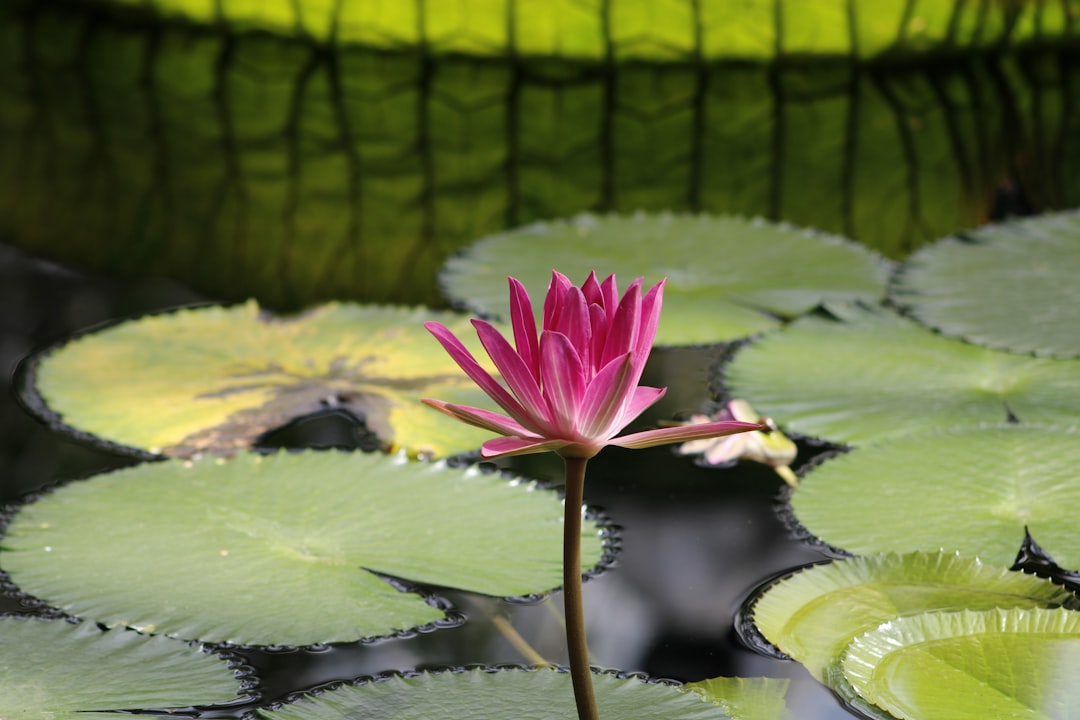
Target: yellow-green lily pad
971, 665
212, 380
815, 613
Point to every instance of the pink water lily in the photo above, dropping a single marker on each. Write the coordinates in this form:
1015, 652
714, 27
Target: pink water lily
573, 389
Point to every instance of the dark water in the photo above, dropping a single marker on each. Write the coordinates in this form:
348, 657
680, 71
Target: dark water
694, 541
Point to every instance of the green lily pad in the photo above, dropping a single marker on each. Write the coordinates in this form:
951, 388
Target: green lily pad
728, 277
212, 380
971, 490
1010, 286
285, 549
814, 614
740, 698
971, 665
61, 671
877, 375
480, 694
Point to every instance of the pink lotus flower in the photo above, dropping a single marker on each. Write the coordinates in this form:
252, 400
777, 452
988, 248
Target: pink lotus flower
576, 387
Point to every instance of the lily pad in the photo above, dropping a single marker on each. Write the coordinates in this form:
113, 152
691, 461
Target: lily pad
289, 549
815, 613
757, 698
212, 380
1010, 286
877, 375
480, 694
728, 277
971, 490
63, 671
971, 665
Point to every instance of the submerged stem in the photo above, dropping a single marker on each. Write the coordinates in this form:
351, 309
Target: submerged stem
575, 611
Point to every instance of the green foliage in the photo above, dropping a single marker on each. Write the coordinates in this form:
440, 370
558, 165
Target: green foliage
971, 490
237, 551
728, 277
1010, 286
264, 149
480, 695
874, 376
60, 671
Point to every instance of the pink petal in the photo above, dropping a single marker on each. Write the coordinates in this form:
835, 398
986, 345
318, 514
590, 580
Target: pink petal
609, 289
517, 375
643, 398
599, 323
553, 300
608, 393
573, 322
478, 417
682, 433
507, 446
524, 324
563, 378
591, 289
623, 329
650, 317
477, 374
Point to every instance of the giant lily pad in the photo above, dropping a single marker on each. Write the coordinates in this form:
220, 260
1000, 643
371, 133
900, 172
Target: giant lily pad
877, 375
288, 549
1010, 286
211, 380
814, 614
972, 490
60, 671
971, 665
483, 695
727, 277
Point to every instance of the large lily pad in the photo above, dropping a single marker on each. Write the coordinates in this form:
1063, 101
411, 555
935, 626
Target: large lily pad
480, 694
971, 665
876, 375
971, 490
1010, 286
212, 380
285, 549
60, 671
727, 277
814, 614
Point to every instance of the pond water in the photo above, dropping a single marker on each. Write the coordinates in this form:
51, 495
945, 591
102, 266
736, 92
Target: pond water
694, 541
893, 155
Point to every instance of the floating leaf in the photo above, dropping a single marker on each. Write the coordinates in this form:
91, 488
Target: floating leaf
877, 375
60, 671
283, 549
1010, 286
212, 380
971, 665
727, 277
746, 698
971, 490
814, 614
481, 694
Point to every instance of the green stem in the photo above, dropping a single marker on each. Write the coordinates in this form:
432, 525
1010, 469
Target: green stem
575, 611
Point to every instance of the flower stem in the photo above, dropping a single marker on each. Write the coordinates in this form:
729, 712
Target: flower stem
575, 612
